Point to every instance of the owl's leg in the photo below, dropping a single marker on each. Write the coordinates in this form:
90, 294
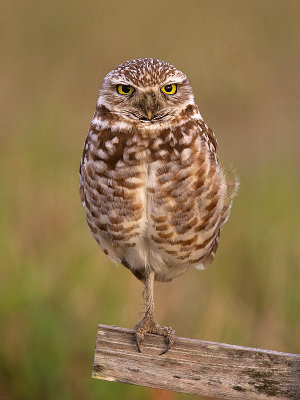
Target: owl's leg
148, 323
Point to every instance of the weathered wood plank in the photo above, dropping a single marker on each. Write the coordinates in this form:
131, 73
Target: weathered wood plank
196, 366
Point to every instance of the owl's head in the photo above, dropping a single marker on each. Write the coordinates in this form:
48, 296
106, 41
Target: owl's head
146, 90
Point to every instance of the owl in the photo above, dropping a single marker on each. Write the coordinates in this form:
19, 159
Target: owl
151, 184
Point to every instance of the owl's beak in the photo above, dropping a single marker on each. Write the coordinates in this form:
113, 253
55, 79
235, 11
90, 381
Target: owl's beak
149, 114
149, 105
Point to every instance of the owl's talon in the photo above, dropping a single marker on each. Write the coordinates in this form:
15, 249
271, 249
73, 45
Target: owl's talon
170, 339
138, 337
165, 350
148, 325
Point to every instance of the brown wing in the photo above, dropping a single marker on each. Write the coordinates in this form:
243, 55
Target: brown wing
189, 195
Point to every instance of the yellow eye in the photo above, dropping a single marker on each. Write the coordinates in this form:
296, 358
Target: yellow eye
169, 89
125, 89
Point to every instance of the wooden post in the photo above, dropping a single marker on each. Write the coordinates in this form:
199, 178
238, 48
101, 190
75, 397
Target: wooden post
196, 366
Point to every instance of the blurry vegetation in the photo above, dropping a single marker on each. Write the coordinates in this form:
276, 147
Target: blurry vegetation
56, 286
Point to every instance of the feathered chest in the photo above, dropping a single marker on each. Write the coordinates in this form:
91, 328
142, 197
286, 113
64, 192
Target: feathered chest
161, 192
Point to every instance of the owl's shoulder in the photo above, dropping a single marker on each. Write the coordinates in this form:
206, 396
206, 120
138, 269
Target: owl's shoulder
208, 134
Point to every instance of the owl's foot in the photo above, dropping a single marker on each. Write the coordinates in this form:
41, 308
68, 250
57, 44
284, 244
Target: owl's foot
149, 325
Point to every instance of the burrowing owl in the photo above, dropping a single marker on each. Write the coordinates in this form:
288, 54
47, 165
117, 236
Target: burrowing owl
150, 181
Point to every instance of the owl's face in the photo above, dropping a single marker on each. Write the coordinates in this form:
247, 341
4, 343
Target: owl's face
146, 90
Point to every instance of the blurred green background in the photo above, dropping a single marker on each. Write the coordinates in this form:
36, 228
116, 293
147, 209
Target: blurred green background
242, 58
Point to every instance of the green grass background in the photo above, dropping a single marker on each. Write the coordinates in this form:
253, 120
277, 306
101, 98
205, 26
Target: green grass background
242, 58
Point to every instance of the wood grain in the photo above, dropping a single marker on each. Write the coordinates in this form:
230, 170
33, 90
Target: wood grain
196, 366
